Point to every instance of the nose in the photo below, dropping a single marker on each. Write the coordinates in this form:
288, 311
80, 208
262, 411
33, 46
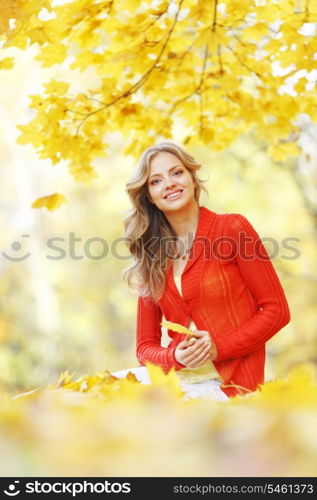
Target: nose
169, 182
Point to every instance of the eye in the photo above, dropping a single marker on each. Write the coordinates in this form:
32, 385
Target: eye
177, 172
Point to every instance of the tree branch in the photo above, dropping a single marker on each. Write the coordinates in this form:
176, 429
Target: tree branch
243, 63
199, 90
141, 81
214, 23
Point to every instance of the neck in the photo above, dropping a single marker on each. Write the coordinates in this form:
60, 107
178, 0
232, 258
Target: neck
184, 221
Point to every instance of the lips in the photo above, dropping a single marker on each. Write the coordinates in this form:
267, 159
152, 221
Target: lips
173, 192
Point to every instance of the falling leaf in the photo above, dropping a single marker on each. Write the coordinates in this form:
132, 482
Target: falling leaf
51, 202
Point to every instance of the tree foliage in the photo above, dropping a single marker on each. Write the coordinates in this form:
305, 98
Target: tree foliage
207, 63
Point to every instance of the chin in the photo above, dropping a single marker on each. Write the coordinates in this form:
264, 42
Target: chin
177, 205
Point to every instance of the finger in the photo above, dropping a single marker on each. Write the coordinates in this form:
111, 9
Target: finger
204, 339
200, 333
202, 356
197, 353
183, 344
199, 348
190, 342
198, 342
197, 333
195, 364
194, 350
205, 351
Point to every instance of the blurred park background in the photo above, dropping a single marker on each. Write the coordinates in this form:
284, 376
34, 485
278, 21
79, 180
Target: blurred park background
70, 309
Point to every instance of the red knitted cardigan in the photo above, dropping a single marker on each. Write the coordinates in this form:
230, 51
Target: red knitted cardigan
231, 289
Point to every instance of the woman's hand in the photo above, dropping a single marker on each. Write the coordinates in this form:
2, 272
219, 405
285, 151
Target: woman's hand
195, 351
206, 336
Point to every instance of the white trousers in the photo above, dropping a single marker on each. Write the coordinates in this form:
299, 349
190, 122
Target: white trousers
208, 389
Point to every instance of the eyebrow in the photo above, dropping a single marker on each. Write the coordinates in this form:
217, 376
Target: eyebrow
175, 166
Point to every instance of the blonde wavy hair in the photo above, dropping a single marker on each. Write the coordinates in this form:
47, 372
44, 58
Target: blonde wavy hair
144, 222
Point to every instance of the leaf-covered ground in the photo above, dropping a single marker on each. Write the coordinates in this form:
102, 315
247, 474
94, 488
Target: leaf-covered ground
102, 426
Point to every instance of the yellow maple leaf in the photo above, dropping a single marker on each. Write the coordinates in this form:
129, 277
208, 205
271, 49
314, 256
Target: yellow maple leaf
300, 85
280, 152
52, 54
64, 379
83, 173
10, 9
30, 134
51, 202
160, 379
295, 391
56, 87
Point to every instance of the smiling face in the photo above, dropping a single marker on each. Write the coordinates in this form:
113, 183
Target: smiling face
170, 184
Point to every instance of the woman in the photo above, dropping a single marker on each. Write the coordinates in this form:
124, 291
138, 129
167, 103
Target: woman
207, 271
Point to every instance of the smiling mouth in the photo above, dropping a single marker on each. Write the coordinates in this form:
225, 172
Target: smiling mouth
174, 195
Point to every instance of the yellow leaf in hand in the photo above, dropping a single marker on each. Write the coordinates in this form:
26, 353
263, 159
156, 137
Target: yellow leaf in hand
176, 327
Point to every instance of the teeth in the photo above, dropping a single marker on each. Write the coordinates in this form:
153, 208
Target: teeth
173, 195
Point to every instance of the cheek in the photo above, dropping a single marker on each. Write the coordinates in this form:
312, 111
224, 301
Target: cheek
189, 181
153, 191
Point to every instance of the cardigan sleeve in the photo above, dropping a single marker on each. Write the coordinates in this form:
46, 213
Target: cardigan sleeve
261, 278
148, 336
